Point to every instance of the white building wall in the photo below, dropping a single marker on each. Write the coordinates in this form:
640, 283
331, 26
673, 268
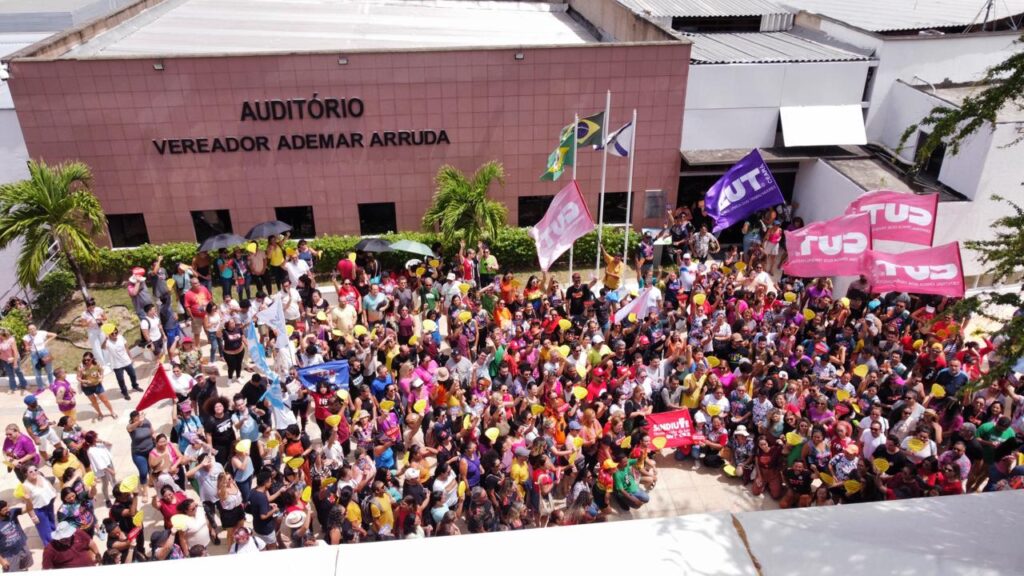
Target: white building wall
737, 105
13, 156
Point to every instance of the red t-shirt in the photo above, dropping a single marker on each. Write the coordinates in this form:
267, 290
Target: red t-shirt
168, 510
196, 301
346, 269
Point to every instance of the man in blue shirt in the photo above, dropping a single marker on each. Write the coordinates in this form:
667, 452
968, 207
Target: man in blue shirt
380, 382
952, 378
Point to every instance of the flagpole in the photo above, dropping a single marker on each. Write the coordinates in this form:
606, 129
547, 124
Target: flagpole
575, 137
629, 192
604, 174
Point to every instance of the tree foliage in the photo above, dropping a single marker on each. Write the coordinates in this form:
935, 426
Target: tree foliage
952, 126
54, 205
461, 210
1003, 257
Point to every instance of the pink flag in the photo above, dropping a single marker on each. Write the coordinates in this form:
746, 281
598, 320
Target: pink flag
899, 215
640, 305
835, 247
567, 219
935, 270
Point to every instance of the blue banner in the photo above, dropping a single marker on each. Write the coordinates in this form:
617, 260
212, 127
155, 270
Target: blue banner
334, 373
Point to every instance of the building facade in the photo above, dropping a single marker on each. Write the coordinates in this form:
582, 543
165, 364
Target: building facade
338, 141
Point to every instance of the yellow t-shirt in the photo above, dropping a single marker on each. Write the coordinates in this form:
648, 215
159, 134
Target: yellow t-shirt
60, 467
612, 273
383, 516
692, 399
354, 514
276, 255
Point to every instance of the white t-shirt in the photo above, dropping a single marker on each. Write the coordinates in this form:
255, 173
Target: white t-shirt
870, 442
196, 530
93, 322
117, 352
296, 269
290, 302
151, 328
182, 384
99, 458
41, 494
37, 342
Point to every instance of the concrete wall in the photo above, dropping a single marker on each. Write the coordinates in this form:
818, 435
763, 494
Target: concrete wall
107, 112
618, 23
737, 105
908, 105
13, 157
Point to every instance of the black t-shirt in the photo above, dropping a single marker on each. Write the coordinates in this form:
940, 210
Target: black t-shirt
253, 393
896, 461
221, 432
578, 296
259, 505
799, 483
416, 490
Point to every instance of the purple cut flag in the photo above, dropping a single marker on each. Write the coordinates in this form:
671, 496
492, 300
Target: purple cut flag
746, 188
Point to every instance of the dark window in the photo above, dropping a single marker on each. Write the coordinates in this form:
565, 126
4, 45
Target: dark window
127, 230
300, 218
717, 23
377, 218
615, 207
532, 209
933, 165
210, 223
654, 204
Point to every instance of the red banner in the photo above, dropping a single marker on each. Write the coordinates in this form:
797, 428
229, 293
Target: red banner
935, 270
834, 247
567, 219
899, 215
675, 427
159, 389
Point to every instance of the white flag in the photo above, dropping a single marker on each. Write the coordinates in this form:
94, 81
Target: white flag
619, 141
639, 306
274, 317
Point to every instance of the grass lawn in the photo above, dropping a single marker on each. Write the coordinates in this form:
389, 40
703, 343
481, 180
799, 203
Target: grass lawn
71, 340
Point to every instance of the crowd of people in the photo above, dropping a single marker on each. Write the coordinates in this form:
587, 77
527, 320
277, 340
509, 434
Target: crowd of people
476, 402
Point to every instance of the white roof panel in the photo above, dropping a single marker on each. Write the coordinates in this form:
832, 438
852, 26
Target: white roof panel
255, 26
823, 125
682, 8
895, 15
749, 47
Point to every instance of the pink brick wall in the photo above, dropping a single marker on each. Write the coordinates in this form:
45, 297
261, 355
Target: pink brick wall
107, 112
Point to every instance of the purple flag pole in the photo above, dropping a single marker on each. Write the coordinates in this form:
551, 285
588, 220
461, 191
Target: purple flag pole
746, 188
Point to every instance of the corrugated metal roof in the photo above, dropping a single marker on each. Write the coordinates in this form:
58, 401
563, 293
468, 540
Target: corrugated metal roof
677, 8
895, 15
751, 47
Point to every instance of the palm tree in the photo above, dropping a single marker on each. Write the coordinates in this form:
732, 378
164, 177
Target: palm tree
460, 208
54, 206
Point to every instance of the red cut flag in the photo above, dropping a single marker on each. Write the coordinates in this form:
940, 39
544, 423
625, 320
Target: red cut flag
835, 247
899, 215
935, 270
159, 389
567, 218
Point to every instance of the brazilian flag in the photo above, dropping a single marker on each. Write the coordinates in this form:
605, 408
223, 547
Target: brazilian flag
588, 131
562, 156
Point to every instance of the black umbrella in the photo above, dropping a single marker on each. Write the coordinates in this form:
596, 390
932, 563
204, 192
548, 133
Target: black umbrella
268, 229
373, 245
221, 241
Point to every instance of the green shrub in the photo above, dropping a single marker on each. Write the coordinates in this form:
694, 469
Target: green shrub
55, 290
16, 321
513, 247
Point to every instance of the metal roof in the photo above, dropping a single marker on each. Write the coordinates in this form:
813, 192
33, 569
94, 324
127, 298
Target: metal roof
680, 8
749, 47
896, 15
